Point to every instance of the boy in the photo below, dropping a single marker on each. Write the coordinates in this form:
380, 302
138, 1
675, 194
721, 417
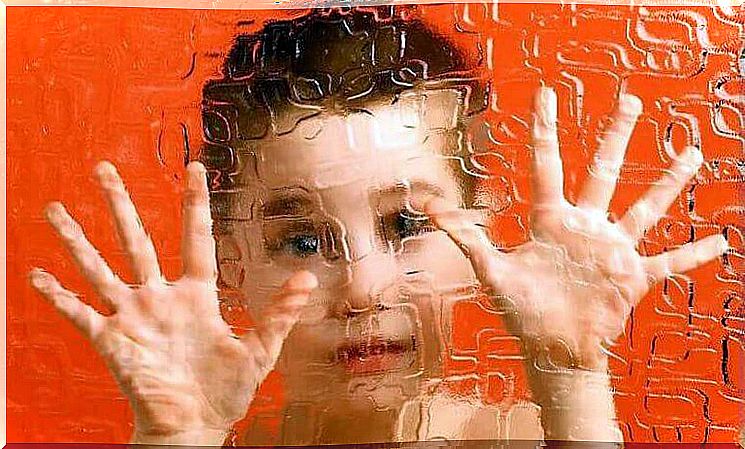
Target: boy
334, 148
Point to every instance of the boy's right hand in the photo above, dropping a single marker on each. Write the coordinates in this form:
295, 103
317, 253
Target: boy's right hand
187, 376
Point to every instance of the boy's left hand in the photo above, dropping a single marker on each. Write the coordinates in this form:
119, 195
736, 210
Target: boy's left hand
569, 290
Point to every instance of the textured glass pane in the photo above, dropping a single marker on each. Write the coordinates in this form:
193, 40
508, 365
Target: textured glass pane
484, 195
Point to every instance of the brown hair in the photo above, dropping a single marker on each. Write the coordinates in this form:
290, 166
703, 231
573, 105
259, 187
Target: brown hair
337, 59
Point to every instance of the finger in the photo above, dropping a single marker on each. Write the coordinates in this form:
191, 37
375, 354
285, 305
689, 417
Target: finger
606, 165
137, 244
278, 318
470, 238
83, 316
91, 264
687, 257
652, 206
548, 173
198, 244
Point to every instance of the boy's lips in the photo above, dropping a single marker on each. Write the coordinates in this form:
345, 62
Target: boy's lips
378, 341
376, 355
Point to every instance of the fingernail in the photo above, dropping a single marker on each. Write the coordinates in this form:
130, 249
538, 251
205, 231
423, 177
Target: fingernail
39, 278
60, 220
693, 156
630, 105
303, 281
196, 167
106, 174
546, 106
54, 212
195, 179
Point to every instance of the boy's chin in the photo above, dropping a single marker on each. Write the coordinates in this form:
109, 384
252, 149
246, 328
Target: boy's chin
357, 388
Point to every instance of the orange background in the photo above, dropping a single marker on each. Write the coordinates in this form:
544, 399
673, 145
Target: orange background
124, 84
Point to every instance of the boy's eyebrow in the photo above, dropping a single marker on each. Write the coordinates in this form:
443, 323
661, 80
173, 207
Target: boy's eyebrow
297, 203
287, 204
416, 186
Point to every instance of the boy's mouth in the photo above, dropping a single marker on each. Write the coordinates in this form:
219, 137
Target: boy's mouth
377, 355
380, 341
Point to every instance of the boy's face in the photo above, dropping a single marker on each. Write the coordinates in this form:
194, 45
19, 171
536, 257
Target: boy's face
339, 196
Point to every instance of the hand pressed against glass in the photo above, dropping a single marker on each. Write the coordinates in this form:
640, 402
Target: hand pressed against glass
187, 377
571, 288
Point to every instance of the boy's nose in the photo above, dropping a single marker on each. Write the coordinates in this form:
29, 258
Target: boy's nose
372, 280
370, 266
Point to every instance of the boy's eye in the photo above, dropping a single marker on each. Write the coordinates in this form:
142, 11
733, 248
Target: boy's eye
296, 238
302, 245
406, 223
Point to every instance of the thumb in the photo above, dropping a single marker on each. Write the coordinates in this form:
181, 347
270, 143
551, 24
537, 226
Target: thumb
278, 318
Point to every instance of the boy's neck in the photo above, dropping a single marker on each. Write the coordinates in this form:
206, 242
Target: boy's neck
338, 423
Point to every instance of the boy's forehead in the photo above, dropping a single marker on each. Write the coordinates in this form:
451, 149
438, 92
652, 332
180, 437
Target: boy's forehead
380, 141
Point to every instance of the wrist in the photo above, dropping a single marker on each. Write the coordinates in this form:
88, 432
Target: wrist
179, 419
552, 354
576, 403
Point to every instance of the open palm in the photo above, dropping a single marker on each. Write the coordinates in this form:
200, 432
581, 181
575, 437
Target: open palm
166, 342
568, 291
